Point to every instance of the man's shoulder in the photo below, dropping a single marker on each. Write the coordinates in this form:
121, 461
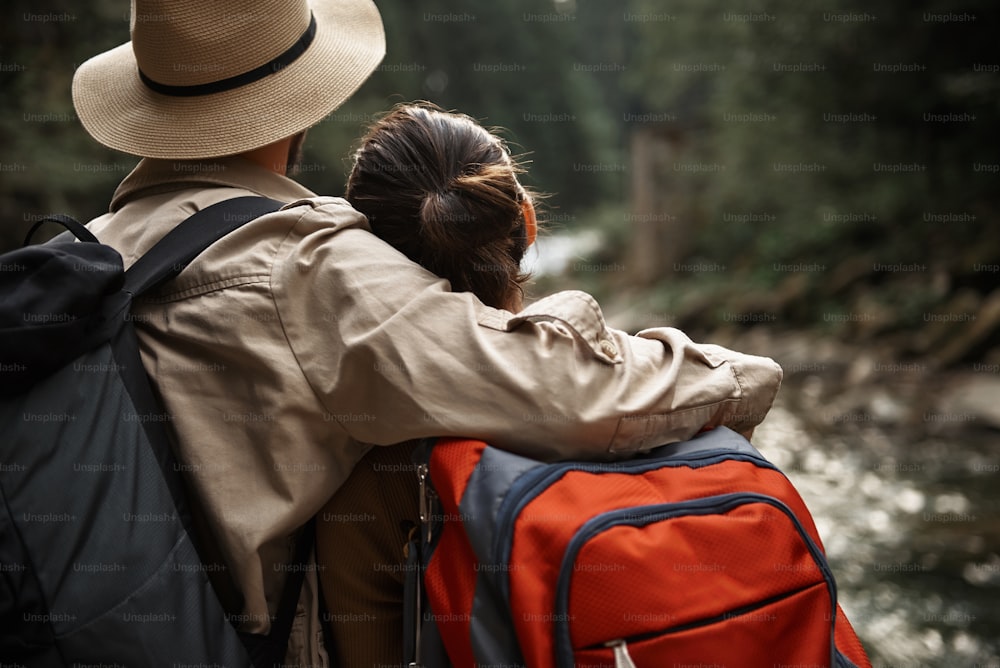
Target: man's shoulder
328, 211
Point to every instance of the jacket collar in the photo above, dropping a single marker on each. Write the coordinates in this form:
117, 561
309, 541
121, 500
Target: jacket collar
153, 176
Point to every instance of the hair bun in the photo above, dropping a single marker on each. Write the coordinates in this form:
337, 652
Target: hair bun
444, 191
444, 221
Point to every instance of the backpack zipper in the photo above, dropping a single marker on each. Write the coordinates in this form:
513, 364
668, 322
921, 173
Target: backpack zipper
645, 515
427, 503
534, 482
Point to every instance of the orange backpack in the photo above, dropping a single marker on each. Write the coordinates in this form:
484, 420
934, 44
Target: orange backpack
698, 553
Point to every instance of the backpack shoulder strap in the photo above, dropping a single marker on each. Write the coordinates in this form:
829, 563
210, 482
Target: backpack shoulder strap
164, 261
186, 241
76, 228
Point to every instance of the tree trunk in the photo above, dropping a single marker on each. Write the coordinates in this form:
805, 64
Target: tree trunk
662, 202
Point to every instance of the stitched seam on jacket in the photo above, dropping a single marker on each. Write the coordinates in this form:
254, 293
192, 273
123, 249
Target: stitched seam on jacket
574, 296
593, 306
205, 288
680, 412
281, 320
674, 418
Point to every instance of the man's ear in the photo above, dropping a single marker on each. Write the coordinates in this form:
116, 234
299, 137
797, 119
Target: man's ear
530, 222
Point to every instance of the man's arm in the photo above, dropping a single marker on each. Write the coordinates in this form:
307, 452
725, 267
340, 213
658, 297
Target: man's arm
392, 354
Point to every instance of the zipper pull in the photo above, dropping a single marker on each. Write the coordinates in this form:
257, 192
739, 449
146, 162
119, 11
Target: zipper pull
622, 658
424, 511
427, 496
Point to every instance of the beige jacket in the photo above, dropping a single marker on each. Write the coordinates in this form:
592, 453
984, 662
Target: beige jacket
293, 345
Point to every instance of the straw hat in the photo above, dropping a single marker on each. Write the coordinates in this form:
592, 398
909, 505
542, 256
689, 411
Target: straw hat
207, 78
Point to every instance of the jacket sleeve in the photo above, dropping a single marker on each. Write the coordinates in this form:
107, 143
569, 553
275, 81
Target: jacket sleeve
392, 354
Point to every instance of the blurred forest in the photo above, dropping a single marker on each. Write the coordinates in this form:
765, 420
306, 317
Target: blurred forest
820, 185
833, 169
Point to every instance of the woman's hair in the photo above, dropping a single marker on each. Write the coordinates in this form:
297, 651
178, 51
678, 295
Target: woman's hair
444, 191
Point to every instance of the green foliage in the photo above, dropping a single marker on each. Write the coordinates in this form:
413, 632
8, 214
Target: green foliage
518, 66
48, 162
835, 133
803, 135
522, 66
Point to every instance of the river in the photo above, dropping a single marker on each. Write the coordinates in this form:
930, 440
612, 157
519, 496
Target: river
911, 533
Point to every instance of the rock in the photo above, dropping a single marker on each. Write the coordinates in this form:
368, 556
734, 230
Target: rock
971, 399
888, 408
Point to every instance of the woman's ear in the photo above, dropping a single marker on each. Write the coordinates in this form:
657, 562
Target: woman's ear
530, 222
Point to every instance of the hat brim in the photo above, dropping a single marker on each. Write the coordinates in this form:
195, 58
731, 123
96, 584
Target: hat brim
119, 111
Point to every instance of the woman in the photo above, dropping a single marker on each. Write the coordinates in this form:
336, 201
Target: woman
444, 191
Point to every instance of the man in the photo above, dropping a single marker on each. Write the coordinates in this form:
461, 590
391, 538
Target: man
295, 344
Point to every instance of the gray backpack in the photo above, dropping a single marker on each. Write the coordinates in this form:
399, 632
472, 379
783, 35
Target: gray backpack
98, 562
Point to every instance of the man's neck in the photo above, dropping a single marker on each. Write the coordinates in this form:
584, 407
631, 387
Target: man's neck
273, 157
